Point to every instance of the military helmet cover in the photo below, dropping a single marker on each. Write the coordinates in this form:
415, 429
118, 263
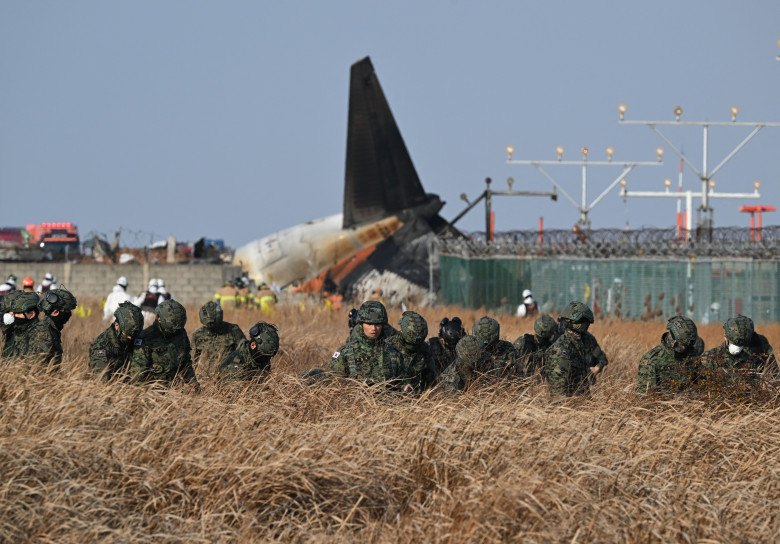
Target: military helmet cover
470, 348
130, 319
266, 337
58, 299
210, 314
487, 329
414, 328
23, 302
545, 326
372, 312
172, 316
683, 330
577, 311
739, 330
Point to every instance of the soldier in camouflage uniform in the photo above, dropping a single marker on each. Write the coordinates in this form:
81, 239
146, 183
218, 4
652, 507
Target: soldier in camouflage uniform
575, 358
417, 368
669, 367
531, 347
744, 351
471, 360
57, 307
214, 340
501, 352
443, 346
366, 356
111, 352
252, 358
27, 336
161, 353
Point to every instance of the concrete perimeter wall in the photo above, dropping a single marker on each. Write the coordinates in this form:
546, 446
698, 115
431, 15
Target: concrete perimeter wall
189, 284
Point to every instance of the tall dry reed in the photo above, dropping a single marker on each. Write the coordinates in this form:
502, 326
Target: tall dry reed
82, 461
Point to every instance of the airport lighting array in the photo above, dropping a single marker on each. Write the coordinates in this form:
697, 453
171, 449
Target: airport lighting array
584, 207
689, 196
704, 221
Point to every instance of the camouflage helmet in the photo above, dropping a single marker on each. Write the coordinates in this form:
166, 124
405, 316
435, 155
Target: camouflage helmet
545, 327
683, 330
58, 299
739, 330
451, 330
372, 312
23, 302
414, 328
266, 337
172, 316
210, 314
487, 329
470, 349
577, 311
130, 319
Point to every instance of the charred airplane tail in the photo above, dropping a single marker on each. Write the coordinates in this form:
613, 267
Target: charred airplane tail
381, 181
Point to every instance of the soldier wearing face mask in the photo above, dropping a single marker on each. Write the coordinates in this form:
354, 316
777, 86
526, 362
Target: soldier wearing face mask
37, 340
162, 351
668, 367
744, 350
575, 358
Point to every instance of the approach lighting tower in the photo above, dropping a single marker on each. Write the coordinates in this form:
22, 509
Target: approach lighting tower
584, 207
704, 221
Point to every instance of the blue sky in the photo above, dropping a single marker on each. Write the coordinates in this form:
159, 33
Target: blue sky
228, 119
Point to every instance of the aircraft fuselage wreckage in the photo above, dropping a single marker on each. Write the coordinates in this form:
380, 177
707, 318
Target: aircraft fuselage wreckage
382, 238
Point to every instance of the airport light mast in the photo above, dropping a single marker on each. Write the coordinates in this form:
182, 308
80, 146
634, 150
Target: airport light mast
584, 207
704, 221
689, 196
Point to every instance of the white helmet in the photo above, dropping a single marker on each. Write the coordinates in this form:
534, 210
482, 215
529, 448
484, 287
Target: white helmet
160, 282
11, 281
527, 293
48, 277
122, 281
152, 288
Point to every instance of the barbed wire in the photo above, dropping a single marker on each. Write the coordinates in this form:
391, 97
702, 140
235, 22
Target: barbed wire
610, 243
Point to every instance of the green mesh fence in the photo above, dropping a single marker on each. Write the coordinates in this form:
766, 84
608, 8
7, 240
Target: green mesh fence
705, 290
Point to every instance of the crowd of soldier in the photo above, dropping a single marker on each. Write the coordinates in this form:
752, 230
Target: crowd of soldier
563, 354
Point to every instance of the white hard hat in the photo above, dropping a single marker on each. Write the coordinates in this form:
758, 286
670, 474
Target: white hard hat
11, 281
527, 293
122, 281
152, 284
48, 276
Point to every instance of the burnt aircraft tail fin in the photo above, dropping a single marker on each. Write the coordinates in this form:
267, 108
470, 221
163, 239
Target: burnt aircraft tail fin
380, 179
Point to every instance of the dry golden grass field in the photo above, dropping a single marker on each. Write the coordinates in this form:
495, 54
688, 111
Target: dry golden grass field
82, 461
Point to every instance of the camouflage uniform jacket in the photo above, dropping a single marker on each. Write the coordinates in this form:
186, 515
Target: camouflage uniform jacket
568, 363
212, 344
367, 359
107, 355
160, 358
745, 363
36, 340
459, 374
417, 366
503, 358
242, 365
443, 355
663, 369
530, 355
